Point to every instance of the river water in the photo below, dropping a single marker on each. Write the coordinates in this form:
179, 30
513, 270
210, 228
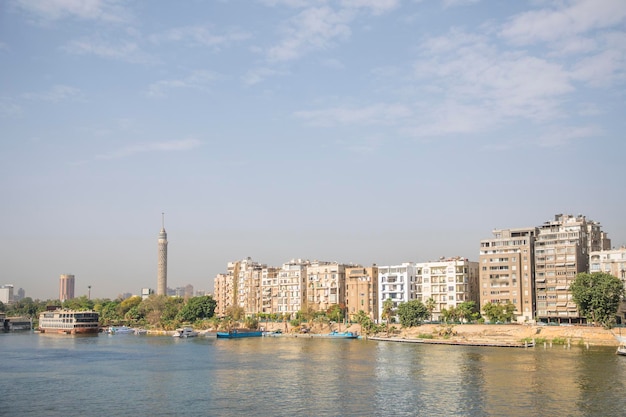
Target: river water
128, 375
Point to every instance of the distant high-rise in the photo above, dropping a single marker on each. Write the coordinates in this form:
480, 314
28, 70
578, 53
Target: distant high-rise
162, 260
66, 287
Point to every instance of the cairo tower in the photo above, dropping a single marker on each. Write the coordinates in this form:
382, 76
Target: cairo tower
162, 260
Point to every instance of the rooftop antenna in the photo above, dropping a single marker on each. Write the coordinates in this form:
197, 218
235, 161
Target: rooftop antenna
162, 220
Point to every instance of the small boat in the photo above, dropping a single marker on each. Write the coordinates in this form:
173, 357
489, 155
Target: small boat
185, 332
120, 330
236, 334
621, 350
340, 335
140, 331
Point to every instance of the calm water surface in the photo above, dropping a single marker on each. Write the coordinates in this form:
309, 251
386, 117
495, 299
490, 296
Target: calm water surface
50, 375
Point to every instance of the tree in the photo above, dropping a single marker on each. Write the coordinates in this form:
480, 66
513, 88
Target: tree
430, 306
465, 310
597, 296
412, 313
367, 324
197, 308
387, 313
497, 312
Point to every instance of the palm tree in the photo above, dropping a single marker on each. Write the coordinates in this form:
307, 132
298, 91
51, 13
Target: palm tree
430, 306
388, 312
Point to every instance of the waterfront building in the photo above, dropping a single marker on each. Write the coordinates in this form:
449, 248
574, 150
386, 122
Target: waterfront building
325, 285
269, 289
248, 286
6, 294
66, 287
292, 287
362, 291
162, 259
394, 282
507, 271
223, 288
562, 249
448, 282
613, 262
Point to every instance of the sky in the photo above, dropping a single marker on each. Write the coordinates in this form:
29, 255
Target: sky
356, 131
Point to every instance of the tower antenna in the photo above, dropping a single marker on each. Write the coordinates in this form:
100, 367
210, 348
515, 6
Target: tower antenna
162, 220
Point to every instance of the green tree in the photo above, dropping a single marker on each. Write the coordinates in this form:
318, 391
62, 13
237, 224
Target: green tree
430, 306
465, 310
412, 313
197, 308
493, 311
597, 296
449, 314
335, 313
388, 313
367, 324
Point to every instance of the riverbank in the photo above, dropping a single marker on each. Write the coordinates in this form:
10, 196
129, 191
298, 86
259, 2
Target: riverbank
486, 334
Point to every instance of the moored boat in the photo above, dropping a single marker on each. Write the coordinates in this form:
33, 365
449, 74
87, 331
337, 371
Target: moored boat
237, 334
621, 350
69, 322
185, 332
340, 335
120, 330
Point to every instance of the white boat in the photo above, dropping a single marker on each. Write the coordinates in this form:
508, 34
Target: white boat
141, 331
185, 332
69, 322
621, 350
120, 330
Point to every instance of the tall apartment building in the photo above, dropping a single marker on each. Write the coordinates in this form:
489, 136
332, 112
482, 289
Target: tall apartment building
292, 286
248, 295
507, 265
562, 249
223, 293
612, 261
362, 291
394, 282
448, 282
325, 285
66, 287
269, 290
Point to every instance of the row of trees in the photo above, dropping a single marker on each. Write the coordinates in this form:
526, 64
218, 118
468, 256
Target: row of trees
154, 312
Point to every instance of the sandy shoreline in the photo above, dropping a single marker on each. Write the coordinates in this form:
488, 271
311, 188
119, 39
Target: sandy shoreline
488, 334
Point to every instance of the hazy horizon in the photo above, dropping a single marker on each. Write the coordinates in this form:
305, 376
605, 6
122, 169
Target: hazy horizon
356, 131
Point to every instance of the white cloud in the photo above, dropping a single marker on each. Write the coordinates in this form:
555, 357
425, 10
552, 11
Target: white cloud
376, 114
560, 136
198, 80
8, 108
200, 35
567, 19
56, 94
127, 51
455, 3
170, 146
103, 10
257, 75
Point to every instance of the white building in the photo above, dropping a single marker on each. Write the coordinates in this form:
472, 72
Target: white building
396, 282
449, 282
6, 294
292, 286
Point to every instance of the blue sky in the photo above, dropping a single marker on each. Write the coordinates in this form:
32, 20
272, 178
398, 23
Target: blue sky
365, 131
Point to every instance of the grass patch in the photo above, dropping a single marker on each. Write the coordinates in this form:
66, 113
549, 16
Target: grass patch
559, 341
425, 336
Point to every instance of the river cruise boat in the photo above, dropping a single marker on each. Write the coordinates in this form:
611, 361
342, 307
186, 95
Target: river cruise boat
69, 322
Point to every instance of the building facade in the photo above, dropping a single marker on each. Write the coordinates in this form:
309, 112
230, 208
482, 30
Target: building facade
448, 282
66, 287
394, 283
362, 291
507, 271
6, 294
325, 285
562, 249
162, 260
223, 293
292, 287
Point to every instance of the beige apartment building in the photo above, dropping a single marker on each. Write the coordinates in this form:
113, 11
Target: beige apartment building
449, 282
362, 291
292, 287
506, 272
612, 261
325, 285
562, 249
248, 278
223, 293
269, 290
